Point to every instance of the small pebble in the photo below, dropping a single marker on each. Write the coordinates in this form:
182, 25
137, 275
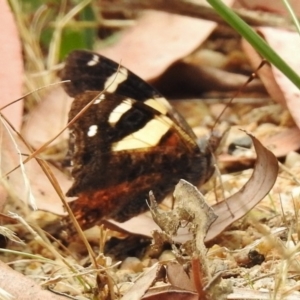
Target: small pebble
167, 255
292, 159
132, 263
242, 142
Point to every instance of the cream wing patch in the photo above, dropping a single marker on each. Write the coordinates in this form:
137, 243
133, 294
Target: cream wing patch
99, 99
117, 113
115, 79
155, 104
148, 136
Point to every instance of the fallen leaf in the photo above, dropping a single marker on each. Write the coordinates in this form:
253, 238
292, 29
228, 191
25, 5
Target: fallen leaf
178, 278
157, 40
42, 123
21, 287
143, 283
29, 183
170, 293
260, 183
195, 79
277, 7
280, 88
284, 142
11, 61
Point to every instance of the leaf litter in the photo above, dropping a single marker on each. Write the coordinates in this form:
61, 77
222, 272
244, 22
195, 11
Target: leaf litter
228, 254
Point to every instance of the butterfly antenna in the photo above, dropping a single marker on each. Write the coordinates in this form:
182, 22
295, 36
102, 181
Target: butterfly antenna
252, 76
215, 140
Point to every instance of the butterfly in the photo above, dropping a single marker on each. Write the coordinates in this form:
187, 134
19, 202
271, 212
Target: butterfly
128, 142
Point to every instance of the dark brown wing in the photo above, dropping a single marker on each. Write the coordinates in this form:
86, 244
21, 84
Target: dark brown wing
123, 149
130, 141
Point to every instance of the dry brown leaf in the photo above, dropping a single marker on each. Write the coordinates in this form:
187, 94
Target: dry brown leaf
21, 287
43, 124
277, 7
170, 293
140, 287
260, 183
11, 62
281, 89
178, 278
31, 183
157, 40
284, 142
195, 79
142, 224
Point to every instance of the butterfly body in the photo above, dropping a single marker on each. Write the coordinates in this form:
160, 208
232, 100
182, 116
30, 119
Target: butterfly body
128, 142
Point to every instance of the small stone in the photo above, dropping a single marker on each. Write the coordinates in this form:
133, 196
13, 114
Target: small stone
167, 255
132, 263
292, 159
242, 142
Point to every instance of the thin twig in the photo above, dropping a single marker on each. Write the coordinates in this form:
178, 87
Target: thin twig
195, 9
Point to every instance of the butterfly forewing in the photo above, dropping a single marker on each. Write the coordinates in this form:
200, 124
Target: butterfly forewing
89, 71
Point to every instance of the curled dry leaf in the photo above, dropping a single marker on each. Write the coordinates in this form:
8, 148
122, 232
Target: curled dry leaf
280, 88
260, 183
21, 287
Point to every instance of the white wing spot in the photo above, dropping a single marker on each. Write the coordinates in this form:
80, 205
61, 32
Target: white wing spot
94, 61
99, 99
92, 130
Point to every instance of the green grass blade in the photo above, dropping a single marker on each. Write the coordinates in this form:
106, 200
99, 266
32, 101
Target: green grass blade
255, 40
